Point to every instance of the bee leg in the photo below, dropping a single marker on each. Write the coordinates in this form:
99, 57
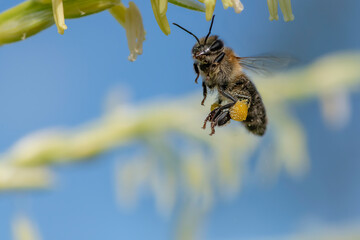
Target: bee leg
204, 93
224, 120
216, 112
219, 58
212, 128
219, 110
220, 120
232, 98
196, 68
209, 116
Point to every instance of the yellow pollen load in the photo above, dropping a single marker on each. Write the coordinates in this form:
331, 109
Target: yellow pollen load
239, 111
214, 106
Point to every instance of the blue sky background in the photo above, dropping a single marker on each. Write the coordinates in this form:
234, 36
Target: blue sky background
52, 80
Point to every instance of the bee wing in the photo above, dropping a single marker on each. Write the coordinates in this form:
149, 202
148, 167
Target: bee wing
264, 65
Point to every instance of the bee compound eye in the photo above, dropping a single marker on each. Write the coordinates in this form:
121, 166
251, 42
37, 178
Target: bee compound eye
217, 45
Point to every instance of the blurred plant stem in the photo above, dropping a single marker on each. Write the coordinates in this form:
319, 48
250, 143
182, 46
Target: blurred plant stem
323, 231
182, 116
15, 178
191, 174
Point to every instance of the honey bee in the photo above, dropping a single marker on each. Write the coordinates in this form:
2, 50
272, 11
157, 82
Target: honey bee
222, 70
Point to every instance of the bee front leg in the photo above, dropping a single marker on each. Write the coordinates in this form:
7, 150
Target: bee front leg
204, 93
196, 68
219, 58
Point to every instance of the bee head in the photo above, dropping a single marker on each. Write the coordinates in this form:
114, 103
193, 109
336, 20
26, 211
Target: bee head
205, 46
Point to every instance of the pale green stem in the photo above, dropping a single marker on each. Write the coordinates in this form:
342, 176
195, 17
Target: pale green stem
183, 117
273, 9
326, 75
31, 17
210, 7
58, 12
285, 6
160, 17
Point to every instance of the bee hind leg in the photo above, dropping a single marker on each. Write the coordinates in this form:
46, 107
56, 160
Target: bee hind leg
208, 117
215, 113
219, 110
220, 120
232, 98
224, 120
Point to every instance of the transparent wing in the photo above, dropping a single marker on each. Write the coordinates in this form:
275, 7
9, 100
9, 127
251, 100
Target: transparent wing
264, 65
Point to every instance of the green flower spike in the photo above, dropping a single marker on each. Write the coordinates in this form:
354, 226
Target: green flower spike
159, 8
285, 6
58, 11
33, 16
210, 7
130, 19
273, 9
236, 4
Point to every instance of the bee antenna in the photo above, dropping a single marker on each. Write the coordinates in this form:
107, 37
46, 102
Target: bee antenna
197, 39
212, 21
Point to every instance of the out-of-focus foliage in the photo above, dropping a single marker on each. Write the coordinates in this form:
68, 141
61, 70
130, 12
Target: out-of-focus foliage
183, 166
345, 232
285, 6
32, 16
24, 229
12, 177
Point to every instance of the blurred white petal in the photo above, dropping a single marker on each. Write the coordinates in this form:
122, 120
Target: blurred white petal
130, 18
24, 229
236, 4
336, 109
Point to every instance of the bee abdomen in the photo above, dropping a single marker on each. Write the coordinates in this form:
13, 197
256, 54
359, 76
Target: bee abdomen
256, 120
